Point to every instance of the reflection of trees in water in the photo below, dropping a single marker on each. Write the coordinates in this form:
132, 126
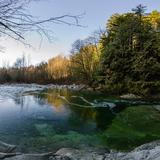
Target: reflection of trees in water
20, 100
52, 97
101, 116
39, 99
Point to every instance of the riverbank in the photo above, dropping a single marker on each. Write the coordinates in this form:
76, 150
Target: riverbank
24, 87
34, 86
150, 151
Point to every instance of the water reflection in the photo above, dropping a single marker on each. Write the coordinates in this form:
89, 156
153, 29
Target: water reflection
46, 118
63, 118
79, 118
49, 107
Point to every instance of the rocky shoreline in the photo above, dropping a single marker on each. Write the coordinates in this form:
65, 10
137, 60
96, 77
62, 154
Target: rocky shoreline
149, 151
24, 87
47, 86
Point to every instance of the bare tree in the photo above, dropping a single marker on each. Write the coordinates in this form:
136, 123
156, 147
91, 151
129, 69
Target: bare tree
15, 21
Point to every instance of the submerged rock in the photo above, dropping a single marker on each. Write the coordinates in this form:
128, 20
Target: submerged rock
44, 129
7, 148
157, 107
5, 155
31, 157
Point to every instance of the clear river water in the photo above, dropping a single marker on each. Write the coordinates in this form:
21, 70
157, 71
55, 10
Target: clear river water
48, 119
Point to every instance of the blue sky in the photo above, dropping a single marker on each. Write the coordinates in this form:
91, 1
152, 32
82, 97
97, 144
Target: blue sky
96, 14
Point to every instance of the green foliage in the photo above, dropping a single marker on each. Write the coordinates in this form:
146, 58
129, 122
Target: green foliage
85, 60
144, 88
131, 53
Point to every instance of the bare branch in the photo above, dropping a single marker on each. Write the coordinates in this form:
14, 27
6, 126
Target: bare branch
15, 21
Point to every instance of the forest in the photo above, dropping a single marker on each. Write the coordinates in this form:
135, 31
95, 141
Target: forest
122, 58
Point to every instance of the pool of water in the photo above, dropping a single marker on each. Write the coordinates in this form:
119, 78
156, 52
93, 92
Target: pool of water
46, 120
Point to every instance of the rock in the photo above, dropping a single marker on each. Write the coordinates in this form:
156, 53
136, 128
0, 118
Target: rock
31, 157
75, 154
81, 87
7, 148
90, 89
150, 151
12, 90
157, 107
114, 156
153, 154
148, 146
130, 96
5, 155
98, 88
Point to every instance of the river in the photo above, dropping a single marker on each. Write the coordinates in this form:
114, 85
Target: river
39, 119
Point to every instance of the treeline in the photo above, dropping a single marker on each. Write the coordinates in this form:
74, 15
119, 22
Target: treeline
124, 58
53, 71
131, 52
79, 67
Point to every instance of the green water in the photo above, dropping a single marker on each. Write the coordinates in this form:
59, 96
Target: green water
48, 120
